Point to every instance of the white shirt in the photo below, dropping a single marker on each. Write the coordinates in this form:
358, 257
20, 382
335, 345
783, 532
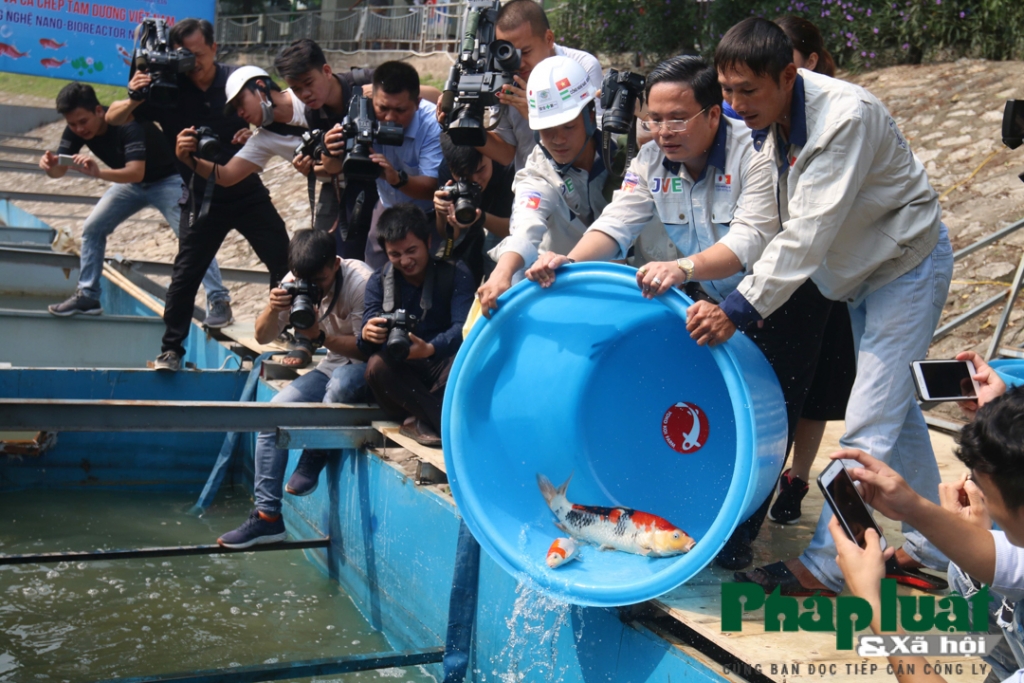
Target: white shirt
515, 130
552, 210
346, 317
856, 206
265, 144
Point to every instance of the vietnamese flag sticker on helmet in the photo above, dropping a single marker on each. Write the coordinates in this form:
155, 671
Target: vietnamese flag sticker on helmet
563, 88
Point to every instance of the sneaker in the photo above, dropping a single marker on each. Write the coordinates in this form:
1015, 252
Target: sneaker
255, 531
306, 476
786, 508
219, 314
79, 303
168, 361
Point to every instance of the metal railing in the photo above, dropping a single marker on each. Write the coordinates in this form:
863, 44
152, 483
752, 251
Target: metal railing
418, 28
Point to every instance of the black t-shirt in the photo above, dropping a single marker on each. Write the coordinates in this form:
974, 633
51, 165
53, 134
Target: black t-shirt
134, 141
197, 108
496, 200
351, 81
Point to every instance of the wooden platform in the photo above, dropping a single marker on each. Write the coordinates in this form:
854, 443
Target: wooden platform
698, 604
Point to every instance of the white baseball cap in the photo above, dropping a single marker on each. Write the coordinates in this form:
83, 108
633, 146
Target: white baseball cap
558, 90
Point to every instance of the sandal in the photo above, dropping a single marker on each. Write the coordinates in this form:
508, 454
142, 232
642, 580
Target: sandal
915, 578
777, 575
303, 350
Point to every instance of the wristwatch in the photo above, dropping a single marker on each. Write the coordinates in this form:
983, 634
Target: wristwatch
403, 178
319, 341
685, 265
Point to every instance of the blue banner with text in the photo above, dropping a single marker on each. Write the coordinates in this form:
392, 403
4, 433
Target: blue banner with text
79, 40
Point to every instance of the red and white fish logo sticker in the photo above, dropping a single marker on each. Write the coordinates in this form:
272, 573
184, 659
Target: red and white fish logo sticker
685, 428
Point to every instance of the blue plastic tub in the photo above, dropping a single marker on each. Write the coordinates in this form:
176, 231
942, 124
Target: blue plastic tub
588, 378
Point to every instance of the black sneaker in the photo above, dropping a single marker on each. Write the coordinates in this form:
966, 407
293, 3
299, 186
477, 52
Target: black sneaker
255, 531
77, 304
168, 361
786, 508
306, 476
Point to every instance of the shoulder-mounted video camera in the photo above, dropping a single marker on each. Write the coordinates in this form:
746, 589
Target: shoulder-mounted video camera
153, 54
1013, 125
362, 129
485, 66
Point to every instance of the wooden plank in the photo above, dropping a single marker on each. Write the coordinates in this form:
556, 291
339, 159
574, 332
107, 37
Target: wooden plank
127, 285
698, 604
435, 456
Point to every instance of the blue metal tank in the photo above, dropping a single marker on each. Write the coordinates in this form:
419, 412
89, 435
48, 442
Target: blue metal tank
590, 379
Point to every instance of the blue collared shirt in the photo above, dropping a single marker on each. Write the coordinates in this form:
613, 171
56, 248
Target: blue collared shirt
419, 155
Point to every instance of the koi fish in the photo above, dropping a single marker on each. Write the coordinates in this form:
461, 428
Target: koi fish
618, 528
561, 551
123, 52
51, 63
51, 44
11, 51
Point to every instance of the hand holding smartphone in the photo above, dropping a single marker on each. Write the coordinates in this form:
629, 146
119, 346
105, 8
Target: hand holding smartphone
945, 380
65, 160
849, 508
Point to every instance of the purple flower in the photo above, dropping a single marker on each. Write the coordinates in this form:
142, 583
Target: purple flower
827, 13
963, 14
849, 44
871, 54
875, 30
906, 46
869, 12
849, 17
938, 2
863, 54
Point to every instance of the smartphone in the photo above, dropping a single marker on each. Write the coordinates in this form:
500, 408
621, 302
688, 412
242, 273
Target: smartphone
944, 380
65, 160
841, 493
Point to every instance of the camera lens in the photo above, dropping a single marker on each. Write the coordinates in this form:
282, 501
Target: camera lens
303, 312
398, 343
465, 212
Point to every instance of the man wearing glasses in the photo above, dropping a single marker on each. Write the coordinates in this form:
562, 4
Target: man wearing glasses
716, 199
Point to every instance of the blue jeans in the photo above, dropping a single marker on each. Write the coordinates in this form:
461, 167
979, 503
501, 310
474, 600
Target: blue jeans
892, 327
347, 384
1004, 617
118, 204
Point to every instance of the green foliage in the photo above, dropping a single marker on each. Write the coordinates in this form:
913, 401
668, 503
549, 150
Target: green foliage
859, 33
41, 86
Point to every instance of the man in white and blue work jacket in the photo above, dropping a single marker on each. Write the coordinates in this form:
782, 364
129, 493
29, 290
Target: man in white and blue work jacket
860, 220
715, 198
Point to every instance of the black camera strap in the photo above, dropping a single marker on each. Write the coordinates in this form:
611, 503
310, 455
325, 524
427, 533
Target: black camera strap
204, 207
334, 299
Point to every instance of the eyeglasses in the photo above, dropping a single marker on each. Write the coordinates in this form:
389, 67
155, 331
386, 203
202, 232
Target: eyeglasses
673, 126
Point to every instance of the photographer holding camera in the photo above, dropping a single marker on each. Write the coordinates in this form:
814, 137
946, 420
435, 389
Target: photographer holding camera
142, 170
412, 323
279, 117
197, 99
322, 298
473, 208
524, 24
561, 190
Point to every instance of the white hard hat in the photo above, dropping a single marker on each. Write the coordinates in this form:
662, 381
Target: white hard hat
558, 90
239, 77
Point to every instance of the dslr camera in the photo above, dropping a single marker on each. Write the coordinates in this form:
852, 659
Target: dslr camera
399, 324
312, 145
362, 129
620, 92
1013, 125
484, 68
306, 297
466, 196
153, 54
208, 146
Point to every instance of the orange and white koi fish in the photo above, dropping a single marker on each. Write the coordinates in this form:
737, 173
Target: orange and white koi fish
618, 528
51, 44
562, 550
51, 63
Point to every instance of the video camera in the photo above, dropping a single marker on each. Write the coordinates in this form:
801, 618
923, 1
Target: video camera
312, 145
485, 66
153, 54
306, 297
208, 146
362, 129
399, 324
466, 195
1013, 125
